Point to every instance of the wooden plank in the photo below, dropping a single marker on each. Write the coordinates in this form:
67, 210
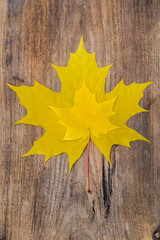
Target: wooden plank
40, 201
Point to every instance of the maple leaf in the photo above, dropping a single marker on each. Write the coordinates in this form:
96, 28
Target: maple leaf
82, 110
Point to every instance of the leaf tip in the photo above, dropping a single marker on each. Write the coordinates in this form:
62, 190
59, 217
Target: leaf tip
52, 64
24, 155
47, 157
122, 80
81, 48
109, 162
70, 167
111, 65
81, 39
147, 140
11, 86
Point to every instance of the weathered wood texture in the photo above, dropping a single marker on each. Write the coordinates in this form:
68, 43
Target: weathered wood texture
40, 201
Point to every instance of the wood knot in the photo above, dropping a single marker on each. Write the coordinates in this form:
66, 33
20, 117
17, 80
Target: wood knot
19, 79
156, 234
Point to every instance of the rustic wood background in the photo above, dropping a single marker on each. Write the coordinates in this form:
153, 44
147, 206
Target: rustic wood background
40, 201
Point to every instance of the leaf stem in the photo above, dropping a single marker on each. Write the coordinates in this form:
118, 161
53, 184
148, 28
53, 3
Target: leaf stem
88, 189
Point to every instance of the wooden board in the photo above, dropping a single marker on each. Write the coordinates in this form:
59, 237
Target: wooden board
40, 201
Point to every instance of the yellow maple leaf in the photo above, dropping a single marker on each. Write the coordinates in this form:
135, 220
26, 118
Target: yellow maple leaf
82, 110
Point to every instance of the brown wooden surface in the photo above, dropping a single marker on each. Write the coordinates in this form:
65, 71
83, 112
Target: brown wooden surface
41, 201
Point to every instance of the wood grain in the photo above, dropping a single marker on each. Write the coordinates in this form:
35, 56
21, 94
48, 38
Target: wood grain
40, 201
